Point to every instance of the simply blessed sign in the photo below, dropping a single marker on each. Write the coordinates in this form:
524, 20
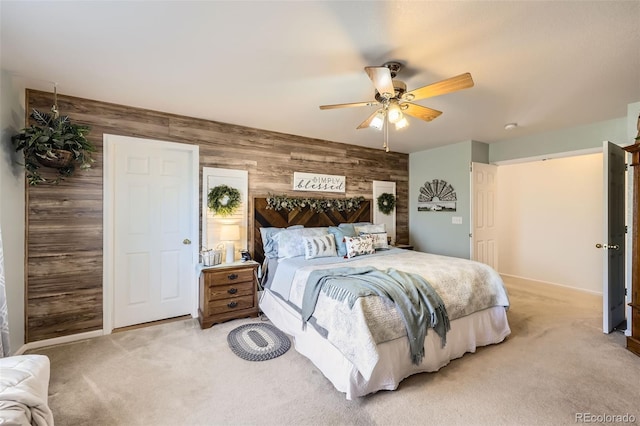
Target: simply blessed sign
316, 182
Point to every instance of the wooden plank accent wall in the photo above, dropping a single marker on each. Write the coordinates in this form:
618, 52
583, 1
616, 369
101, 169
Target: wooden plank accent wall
64, 252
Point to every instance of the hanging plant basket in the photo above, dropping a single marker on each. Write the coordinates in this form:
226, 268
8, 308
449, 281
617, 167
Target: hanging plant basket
53, 141
56, 158
223, 200
386, 203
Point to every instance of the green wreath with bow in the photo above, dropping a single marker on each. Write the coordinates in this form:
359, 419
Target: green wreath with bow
386, 203
223, 200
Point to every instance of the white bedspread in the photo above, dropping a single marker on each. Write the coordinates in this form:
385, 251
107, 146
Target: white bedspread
24, 387
465, 287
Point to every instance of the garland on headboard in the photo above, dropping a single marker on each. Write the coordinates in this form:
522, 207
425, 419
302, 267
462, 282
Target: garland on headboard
319, 205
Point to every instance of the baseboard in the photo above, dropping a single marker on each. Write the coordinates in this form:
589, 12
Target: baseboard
522, 282
58, 341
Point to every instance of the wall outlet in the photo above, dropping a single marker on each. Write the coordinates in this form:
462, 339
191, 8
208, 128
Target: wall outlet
456, 220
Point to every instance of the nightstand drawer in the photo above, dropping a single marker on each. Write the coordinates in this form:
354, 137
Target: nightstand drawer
229, 276
218, 292
232, 304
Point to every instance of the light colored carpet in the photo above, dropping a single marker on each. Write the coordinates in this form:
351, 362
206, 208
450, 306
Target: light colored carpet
555, 364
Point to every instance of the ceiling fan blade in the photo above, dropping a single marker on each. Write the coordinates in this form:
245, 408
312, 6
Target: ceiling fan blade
354, 104
419, 111
381, 78
459, 82
367, 123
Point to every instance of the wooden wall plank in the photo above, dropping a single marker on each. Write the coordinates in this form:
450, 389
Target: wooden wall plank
64, 223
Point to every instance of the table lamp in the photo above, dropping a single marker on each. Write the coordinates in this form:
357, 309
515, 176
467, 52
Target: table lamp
229, 234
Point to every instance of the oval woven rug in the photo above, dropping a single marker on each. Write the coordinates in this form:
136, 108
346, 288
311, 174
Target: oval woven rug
258, 342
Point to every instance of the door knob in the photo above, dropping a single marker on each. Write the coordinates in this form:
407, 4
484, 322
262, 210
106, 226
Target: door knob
608, 246
186, 241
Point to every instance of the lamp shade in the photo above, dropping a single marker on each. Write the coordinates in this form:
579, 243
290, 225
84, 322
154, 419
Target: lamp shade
230, 233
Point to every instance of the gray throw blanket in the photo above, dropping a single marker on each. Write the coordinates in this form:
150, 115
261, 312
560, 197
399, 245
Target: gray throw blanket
417, 302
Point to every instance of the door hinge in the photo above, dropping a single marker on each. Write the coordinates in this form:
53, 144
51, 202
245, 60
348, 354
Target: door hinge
626, 229
470, 167
625, 291
470, 235
626, 167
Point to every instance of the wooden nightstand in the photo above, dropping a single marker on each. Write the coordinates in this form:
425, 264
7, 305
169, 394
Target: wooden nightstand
404, 246
228, 291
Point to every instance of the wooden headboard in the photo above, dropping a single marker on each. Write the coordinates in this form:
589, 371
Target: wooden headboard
264, 218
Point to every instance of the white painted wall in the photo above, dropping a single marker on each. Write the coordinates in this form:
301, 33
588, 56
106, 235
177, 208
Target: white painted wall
12, 205
551, 216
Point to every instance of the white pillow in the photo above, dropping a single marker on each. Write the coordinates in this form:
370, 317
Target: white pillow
359, 246
290, 242
323, 246
380, 241
369, 229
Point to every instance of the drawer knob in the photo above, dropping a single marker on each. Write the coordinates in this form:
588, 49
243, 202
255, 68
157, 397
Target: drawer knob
232, 291
232, 276
232, 304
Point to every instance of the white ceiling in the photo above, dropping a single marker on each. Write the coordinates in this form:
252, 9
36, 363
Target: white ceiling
270, 64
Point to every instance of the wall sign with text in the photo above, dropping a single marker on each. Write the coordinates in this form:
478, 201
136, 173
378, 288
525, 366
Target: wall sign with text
317, 182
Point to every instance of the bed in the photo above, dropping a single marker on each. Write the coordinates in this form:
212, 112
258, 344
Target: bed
362, 342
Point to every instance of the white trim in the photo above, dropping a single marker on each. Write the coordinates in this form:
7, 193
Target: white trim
59, 340
109, 143
544, 157
380, 187
225, 176
517, 280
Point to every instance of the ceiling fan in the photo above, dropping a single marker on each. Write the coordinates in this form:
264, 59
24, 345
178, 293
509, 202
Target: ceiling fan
394, 100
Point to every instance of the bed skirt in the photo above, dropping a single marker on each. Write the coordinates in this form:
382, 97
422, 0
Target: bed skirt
467, 333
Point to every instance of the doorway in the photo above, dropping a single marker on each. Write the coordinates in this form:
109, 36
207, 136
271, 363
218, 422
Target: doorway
551, 216
150, 230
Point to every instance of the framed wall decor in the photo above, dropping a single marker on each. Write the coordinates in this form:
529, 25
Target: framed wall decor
437, 196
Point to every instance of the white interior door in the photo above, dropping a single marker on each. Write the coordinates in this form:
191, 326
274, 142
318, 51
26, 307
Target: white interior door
484, 232
613, 246
154, 209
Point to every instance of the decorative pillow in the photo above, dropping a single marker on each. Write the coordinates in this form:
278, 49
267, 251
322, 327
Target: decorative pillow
290, 242
340, 234
369, 229
379, 240
350, 227
324, 246
358, 246
269, 245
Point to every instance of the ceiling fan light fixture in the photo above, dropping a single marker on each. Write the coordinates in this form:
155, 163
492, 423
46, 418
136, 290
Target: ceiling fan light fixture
402, 123
378, 121
394, 114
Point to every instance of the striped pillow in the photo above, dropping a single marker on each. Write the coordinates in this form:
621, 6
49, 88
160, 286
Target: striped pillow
320, 246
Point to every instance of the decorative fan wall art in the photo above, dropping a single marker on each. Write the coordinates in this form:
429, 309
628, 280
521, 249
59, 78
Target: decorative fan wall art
437, 195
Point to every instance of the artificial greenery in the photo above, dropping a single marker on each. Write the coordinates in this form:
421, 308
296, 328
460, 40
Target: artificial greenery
223, 200
42, 141
386, 203
319, 205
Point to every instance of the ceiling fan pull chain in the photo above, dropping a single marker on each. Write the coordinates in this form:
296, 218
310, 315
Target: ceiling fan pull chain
386, 132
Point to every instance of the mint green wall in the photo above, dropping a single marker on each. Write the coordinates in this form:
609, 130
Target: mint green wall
433, 232
560, 141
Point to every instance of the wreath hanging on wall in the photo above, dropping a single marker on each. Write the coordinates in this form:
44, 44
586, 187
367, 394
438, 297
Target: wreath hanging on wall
386, 203
223, 200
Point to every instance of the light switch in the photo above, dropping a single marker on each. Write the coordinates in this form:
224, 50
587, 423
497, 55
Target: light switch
456, 220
